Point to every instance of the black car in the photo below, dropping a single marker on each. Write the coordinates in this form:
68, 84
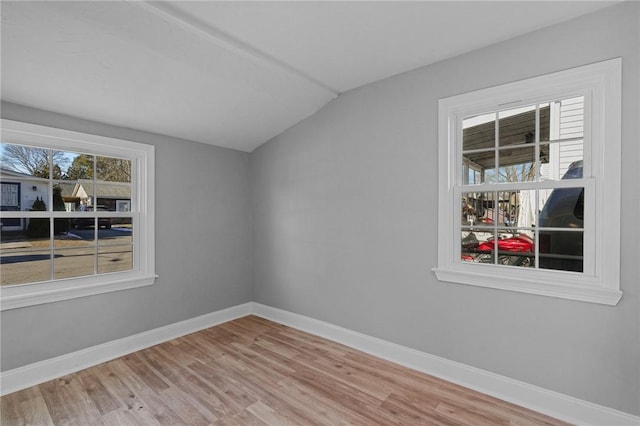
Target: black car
89, 222
563, 250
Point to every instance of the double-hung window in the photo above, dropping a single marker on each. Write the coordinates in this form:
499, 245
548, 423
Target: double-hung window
77, 214
529, 186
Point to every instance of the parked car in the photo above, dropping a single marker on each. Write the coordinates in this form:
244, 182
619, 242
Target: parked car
89, 222
563, 250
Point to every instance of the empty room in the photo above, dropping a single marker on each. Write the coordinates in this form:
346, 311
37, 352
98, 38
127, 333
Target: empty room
320, 212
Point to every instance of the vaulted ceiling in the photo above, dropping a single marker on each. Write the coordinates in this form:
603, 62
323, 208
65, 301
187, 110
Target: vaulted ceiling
235, 74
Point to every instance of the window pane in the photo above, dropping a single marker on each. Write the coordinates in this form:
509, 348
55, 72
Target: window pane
25, 234
472, 173
517, 126
39, 228
61, 227
25, 161
563, 208
569, 153
476, 245
517, 164
24, 178
120, 231
113, 169
479, 132
508, 208
516, 247
477, 208
113, 197
18, 266
78, 235
72, 165
64, 198
24, 257
559, 158
561, 250
70, 263
115, 259
86, 196
479, 167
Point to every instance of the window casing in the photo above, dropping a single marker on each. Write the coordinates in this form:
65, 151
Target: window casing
99, 218
529, 188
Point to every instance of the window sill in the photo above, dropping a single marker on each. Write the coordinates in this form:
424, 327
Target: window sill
563, 289
20, 296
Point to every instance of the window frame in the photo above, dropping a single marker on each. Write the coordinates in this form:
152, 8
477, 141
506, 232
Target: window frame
601, 84
142, 158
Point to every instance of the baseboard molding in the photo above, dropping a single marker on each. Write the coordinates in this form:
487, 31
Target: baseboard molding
539, 399
554, 404
40, 372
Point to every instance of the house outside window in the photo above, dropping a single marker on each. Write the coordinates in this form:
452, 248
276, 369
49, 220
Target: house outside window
78, 218
529, 198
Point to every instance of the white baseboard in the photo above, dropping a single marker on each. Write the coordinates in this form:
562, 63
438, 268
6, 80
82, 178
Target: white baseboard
40, 372
542, 400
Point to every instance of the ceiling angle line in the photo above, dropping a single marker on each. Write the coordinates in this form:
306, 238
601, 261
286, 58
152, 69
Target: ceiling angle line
226, 41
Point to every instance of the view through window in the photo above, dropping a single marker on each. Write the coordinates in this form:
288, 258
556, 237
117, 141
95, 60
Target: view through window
522, 223
65, 214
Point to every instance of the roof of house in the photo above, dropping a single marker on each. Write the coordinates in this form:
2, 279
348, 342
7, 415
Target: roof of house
103, 189
78, 189
67, 189
9, 173
516, 129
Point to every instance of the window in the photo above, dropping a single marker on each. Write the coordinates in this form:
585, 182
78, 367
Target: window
77, 215
529, 196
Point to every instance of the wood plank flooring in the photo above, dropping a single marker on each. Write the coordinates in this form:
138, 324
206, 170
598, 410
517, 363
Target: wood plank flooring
252, 371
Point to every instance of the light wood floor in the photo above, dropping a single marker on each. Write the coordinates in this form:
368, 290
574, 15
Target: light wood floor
254, 372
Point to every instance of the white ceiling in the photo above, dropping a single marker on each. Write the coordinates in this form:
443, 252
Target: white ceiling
235, 74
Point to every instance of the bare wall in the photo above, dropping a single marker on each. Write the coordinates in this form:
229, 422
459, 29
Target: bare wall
345, 223
203, 251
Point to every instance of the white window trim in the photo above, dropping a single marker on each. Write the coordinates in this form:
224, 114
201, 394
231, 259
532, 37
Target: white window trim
143, 171
602, 83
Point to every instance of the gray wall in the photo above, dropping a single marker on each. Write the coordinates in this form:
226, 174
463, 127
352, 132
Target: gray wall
203, 251
345, 223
